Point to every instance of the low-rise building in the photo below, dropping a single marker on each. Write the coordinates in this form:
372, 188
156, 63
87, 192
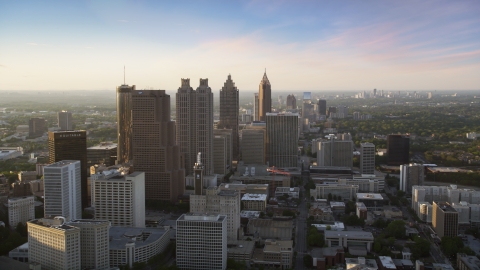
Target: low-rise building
360, 263
338, 207
349, 238
345, 192
361, 210
373, 201
275, 254
130, 245
386, 263
270, 229
327, 257
465, 262
254, 202
392, 212
240, 251
321, 213
291, 192
20, 253
336, 226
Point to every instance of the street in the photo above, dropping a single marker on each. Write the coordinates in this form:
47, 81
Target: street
301, 231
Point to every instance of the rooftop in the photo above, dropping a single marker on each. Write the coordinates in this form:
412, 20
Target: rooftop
201, 217
337, 204
61, 163
472, 262
278, 246
249, 214
254, 197
387, 262
369, 196
270, 223
103, 146
241, 247
446, 207
120, 236
356, 234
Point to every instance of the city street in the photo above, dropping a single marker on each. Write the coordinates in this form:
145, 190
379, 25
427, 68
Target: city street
301, 232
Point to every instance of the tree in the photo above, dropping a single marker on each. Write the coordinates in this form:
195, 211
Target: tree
451, 245
328, 228
334, 197
421, 248
308, 260
329, 196
377, 247
339, 197
379, 223
396, 229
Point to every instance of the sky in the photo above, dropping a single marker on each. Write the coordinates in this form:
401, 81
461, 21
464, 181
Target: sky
303, 45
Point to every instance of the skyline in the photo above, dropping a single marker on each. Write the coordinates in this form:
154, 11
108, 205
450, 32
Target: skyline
314, 46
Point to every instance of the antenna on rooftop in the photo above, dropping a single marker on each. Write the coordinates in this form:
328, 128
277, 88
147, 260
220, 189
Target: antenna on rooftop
123, 74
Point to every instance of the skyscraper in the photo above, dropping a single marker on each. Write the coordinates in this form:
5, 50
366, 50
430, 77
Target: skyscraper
229, 112
154, 149
367, 158
398, 149
65, 121
291, 102
335, 153
411, 175
70, 145
124, 123
255, 107
36, 127
444, 219
264, 98
62, 189
282, 139
322, 107
94, 243
253, 146
194, 123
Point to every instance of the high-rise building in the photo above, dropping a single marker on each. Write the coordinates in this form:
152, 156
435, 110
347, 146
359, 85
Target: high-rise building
94, 241
223, 202
367, 158
322, 107
71, 145
228, 134
65, 120
220, 154
104, 153
54, 244
36, 127
229, 112
124, 123
291, 102
63, 189
398, 148
155, 151
253, 146
444, 219
335, 153
264, 98
202, 241
255, 107
20, 209
121, 199
282, 139
194, 122
411, 175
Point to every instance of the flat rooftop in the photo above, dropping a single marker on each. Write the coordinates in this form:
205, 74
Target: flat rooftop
120, 236
103, 146
201, 217
369, 196
387, 262
446, 207
355, 234
61, 163
254, 197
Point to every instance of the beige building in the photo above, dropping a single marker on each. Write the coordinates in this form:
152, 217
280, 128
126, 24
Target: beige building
94, 239
121, 199
282, 139
21, 209
253, 145
53, 244
444, 219
275, 254
155, 151
194, 124
222, 202
254, 202
346, 192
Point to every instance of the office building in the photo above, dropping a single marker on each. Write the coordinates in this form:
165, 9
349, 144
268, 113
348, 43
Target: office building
322, 107
463, 211
229, 112
264, 229
444, 219
291, 102
155, 151
194, 123
425, 211
282, 139
361, 210
104, 153
124, 123
398, 148
63, 189
255, 107
465, 262
65, 121
367, 158
54, 244
322, 191
20, 210
228, 134
94, 240
136, 245
253, 146
335, 153
222, 202
373, 201
411, 175
121, 199
349, 238
264, 98
220, 155
70, 145
201, 241
36, 127
254, 202
275, 254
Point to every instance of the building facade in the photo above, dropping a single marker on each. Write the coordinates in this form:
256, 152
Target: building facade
253, 146
335, 152
444, 219
155, 151
94, 239
36, 127
411, 175
322, 107
264, 98
398, 148
229, 112
62, 189
121, 199
103, 153
194, 124
367, 158
124, 123
202, 241
70, 145
20, 209
282, 139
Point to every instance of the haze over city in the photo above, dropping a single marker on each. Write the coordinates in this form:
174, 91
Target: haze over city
304, 45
